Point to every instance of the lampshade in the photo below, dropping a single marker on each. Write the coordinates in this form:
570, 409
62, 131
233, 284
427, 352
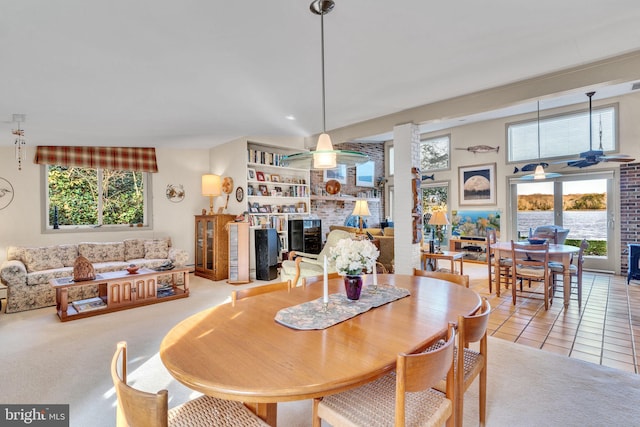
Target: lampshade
438, 218
211, 185
361, 208
324, 156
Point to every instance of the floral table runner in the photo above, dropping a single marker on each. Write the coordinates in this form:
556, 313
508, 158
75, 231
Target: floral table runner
311, 315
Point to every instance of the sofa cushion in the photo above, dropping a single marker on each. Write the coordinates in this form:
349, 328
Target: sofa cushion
154, 249
43, 258
388, 231
102, 252
373, 231
133, 249
68, 254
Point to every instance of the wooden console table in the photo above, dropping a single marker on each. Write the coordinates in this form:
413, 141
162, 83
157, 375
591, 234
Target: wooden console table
120, 290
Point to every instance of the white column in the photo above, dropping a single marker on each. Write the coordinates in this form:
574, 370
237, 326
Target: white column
406, 142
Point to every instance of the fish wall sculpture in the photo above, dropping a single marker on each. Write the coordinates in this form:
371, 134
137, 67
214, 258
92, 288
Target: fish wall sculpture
480, 149
529, 167
432, 177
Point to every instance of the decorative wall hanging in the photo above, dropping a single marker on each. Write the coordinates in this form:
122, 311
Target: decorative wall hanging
239, 194
416, 212
20, 143
365, 174
477, 185
480, 149
6, 193
175, 192
227, 188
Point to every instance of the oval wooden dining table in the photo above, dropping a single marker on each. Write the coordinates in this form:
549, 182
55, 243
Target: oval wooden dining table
241, 353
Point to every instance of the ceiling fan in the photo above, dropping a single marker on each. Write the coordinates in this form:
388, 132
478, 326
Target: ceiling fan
593, 157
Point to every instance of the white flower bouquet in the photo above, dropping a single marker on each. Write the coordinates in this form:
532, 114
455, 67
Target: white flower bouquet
352, 257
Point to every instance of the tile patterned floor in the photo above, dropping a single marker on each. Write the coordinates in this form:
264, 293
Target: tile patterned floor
603, 331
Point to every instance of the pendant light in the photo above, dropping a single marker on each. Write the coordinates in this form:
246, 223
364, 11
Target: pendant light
539, 173
324, 156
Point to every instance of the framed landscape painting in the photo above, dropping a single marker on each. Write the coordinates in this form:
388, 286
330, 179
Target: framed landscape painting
339, 174
477, 185
364, 174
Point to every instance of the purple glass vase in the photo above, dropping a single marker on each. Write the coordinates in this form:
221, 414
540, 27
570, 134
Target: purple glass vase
353, 286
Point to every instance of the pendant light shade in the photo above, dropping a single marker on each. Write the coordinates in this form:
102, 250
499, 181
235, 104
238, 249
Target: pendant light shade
324, 156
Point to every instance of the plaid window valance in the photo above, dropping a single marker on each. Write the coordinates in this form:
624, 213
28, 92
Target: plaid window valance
114, 158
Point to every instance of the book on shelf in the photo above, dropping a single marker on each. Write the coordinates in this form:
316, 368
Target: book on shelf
165, 292
89, 304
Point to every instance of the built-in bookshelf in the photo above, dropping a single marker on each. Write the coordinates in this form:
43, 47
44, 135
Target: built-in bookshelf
275, 193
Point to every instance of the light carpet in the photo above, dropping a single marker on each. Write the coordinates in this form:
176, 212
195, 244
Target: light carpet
46, 361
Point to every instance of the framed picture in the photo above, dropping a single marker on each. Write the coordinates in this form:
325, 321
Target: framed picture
260, 176
365, 173
263, 190
477, 185
275, 178
251, 174
339, 174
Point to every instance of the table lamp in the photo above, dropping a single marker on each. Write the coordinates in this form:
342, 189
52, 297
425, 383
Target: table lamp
211, 187
439, 218
361, 209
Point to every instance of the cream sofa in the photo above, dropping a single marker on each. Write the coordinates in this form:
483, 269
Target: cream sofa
28, 270
385, 237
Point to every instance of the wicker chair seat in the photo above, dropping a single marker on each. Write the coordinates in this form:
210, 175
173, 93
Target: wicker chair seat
206, 411
372, 405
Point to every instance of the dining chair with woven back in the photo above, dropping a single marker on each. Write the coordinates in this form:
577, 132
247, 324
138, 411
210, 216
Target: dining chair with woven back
403, 397
144, 409
504, 263
531, 263
575, 270
470, 363
258, 290
459, 279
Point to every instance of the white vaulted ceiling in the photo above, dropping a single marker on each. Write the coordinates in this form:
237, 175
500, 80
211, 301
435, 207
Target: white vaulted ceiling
198, 73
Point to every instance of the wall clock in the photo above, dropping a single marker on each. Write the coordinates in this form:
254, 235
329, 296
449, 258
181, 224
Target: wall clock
239, 194
6, 193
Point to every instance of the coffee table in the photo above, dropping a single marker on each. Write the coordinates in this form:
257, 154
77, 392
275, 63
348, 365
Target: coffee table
120, 290
446, 255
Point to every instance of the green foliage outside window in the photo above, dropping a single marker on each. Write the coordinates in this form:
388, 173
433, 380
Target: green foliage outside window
79, 196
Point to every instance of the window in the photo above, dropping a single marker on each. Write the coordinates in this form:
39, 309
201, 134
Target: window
562, 135
87, 197
435, 153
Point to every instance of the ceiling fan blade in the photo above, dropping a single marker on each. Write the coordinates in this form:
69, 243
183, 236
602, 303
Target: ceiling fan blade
622, 158
582, 163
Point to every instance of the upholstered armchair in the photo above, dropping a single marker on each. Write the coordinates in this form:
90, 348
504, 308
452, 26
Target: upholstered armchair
553, 233
301, 264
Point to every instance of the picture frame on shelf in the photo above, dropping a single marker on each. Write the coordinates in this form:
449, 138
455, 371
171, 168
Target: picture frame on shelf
339, 174
477, 185
275, 177
262, 188
365, 174
251, 174
260, 175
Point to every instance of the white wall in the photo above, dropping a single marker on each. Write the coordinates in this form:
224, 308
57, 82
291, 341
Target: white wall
20, 222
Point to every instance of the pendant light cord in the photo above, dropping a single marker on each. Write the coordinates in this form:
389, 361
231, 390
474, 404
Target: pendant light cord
324, 123
538, 130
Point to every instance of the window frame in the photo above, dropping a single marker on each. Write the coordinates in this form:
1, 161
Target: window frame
47, 228
555, 118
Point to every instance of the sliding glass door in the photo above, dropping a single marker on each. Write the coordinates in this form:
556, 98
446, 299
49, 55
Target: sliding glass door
583, 203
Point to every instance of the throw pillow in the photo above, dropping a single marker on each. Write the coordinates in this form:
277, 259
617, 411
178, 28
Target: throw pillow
133, 249
156, 249
68, 254
44, 258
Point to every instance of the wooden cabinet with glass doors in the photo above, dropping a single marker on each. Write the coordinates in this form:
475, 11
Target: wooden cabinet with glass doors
212, 246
